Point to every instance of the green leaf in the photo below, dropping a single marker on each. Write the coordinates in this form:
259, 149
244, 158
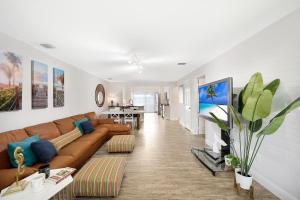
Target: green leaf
240, 100
220, 123
255, 86
277, 121
235, 118
255, 126
273, 86
258, 106
235, 162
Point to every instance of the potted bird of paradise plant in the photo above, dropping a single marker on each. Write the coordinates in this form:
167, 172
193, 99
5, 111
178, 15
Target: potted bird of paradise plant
254, 106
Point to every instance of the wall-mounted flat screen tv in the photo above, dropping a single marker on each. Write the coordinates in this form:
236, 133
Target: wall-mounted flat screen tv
215, 97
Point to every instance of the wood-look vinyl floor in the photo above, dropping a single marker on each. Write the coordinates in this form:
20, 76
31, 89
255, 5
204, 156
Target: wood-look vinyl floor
163, 167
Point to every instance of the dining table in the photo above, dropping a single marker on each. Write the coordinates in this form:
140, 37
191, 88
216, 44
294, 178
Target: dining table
136, 113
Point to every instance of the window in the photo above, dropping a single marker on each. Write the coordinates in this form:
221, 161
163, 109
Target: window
146, 99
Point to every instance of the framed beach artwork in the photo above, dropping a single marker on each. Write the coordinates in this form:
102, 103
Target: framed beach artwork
10, 81
58, 87
39, 85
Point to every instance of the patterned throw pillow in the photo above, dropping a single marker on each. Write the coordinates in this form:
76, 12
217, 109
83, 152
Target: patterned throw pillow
65, 139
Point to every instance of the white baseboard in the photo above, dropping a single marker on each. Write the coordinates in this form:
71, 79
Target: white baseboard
275, 189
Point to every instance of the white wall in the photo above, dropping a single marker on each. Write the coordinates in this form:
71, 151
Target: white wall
275, 53
116, 93
174, 103
79, 89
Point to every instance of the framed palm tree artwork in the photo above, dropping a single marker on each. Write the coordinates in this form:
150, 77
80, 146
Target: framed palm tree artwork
11, 71
58, 87
39, 85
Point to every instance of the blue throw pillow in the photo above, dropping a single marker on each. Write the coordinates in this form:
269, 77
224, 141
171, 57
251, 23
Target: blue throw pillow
29, 157
87, 127
78, 122
43, 150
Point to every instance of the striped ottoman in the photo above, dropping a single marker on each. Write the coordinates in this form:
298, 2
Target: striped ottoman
100, 177
121, 143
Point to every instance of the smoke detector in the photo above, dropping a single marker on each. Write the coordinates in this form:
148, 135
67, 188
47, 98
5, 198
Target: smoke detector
47, 46
181, 63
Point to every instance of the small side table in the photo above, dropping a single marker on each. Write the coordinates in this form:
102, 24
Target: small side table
49, 189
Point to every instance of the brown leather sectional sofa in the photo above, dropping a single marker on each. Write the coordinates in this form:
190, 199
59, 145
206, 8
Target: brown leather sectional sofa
74, 154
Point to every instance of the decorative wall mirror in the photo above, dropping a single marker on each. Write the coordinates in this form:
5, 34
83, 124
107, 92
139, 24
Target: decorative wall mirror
100, 95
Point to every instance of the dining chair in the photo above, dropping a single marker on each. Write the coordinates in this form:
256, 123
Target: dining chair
116, 116
129, 117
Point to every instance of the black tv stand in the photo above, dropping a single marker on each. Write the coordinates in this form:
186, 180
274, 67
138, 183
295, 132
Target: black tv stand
210, 153
212, 164
213, 161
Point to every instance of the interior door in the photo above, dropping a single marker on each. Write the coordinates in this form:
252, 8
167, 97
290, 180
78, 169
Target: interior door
187, 108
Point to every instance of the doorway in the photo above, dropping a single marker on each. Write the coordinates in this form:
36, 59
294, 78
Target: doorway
187, 108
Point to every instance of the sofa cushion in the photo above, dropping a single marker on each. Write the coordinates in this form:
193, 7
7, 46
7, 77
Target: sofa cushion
99, 134
29, 156
78, 117
65, 125
73, 149
5, 139
77, 123
101, 129
65, 139
57, 162
43, 150
8, 176
93, 117
87, 127
116, 127
46, 131
106, 121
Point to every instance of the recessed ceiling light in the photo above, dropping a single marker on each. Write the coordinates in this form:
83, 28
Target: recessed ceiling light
181, 63
47, 46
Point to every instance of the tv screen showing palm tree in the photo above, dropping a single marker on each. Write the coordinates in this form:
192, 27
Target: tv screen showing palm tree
215, 97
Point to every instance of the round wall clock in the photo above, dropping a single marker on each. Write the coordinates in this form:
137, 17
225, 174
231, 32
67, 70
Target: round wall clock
100, 95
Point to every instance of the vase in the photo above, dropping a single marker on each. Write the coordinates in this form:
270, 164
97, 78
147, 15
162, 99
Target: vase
244, 181
237, 175
227, 161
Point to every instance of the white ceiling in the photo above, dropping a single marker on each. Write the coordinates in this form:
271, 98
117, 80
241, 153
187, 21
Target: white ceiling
100, 36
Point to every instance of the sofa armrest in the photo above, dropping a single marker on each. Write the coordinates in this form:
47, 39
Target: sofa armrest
106, 121
8, 176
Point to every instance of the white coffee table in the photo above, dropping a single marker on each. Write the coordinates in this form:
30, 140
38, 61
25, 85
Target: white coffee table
48, 191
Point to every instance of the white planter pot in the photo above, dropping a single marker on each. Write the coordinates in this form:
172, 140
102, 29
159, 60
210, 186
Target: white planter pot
228, 161
244, 181
237, 175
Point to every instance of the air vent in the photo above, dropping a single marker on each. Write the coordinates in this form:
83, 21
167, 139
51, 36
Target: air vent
47, 46
181, 63
109, 79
